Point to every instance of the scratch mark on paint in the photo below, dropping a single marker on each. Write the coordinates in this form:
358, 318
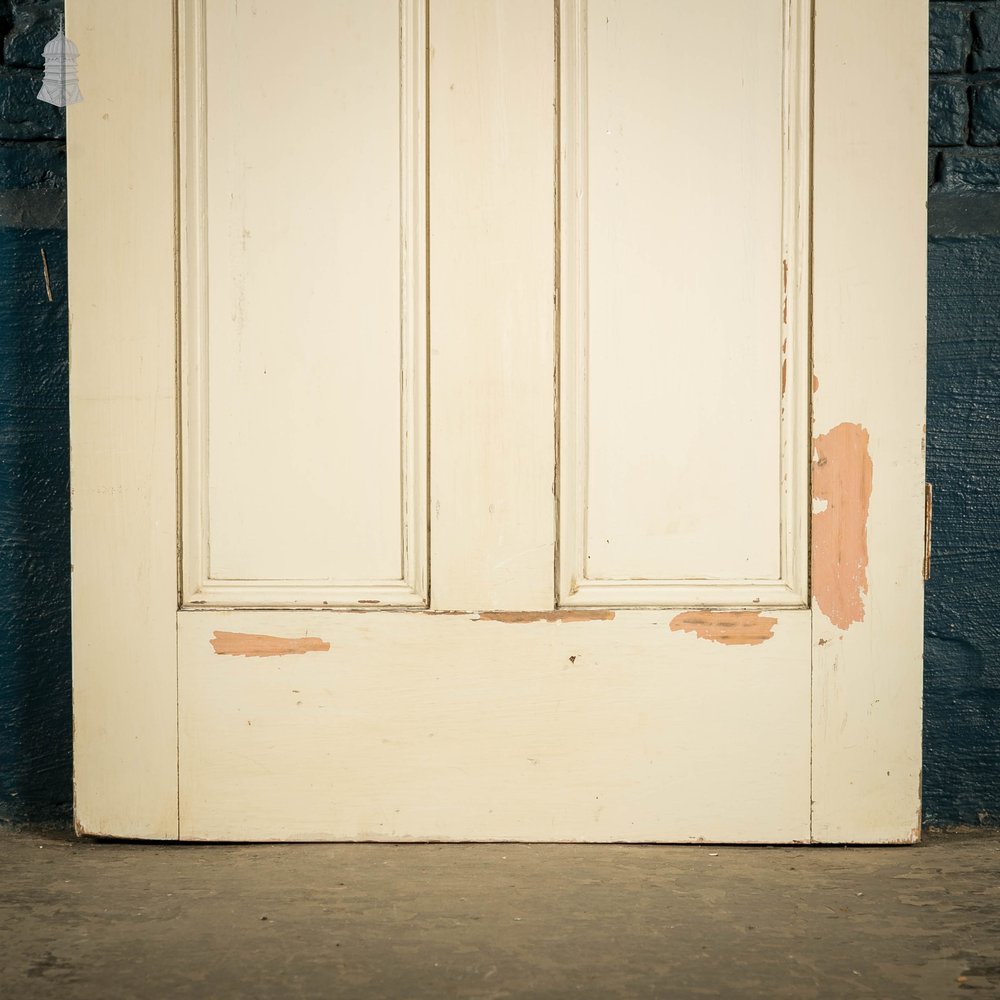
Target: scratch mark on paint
731, 628
246, 644
842, 476
375, 607
784, 291
520, 617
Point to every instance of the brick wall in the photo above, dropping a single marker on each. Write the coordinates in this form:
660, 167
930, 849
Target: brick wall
964, 125
32, 133
964, 134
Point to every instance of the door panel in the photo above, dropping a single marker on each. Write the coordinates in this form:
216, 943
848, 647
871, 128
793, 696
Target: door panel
572, 726
684, 335
304, 295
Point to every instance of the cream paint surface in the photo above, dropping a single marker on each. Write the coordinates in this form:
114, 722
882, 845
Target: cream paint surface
684, 306
670, 345
123, 407
869, 355
427, 726
492, 354
300, 475
520, 719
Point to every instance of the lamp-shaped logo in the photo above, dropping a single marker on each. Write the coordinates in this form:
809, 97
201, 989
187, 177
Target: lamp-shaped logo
59, 85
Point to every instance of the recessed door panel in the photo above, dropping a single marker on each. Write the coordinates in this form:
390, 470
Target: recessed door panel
305, 303
684, 266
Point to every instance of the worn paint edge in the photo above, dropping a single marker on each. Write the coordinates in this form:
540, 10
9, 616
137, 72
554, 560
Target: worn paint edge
842, 474
567, 615
730, 628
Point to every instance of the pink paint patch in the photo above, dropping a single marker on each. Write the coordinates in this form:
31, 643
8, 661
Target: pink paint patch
842, 477
730, 628
247, 644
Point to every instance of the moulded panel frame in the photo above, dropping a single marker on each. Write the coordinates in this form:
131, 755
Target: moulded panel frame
199, 587
791, 338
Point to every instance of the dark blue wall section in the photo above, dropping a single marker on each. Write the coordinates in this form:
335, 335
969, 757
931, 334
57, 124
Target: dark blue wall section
962, 653
962, 695
35, 719
962, 674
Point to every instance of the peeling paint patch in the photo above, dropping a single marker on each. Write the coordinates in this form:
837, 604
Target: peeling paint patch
520, 617
246, 644
731, 628
842, 476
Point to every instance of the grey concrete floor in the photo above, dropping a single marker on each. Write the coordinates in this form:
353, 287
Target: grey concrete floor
107, 920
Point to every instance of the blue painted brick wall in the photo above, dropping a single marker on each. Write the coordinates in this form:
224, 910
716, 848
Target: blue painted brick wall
962, 698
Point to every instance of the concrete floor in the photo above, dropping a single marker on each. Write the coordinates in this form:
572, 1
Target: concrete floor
110, 920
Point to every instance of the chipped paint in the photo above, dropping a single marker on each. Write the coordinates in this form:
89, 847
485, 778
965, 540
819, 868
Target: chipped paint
815, 383
382, 609
784, 291
842, 478
731, 628
521, 617
247, 644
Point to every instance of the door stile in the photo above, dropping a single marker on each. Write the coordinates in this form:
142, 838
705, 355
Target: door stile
123, 406
869, 351
492, 331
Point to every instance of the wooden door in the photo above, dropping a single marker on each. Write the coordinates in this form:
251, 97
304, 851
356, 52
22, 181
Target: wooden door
498, 420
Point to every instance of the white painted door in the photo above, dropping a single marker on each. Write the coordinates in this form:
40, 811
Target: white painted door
498, 421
